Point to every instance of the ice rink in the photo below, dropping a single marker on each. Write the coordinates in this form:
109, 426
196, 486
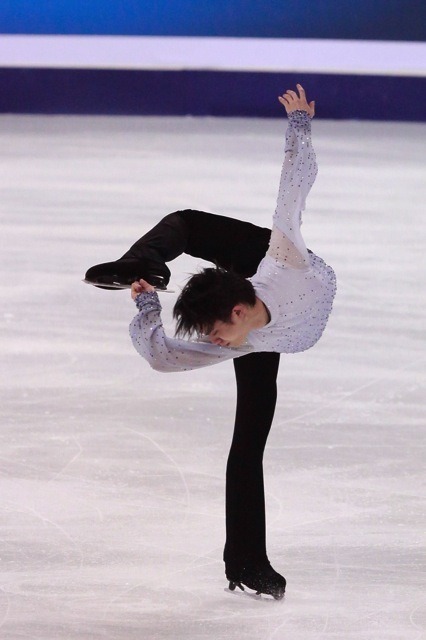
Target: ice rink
112, 475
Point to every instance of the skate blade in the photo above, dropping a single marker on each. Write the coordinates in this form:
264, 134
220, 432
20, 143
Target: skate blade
243, 591
265, 597
118, 285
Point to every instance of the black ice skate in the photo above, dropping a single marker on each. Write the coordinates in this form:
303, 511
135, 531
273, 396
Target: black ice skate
122, 273
261, 578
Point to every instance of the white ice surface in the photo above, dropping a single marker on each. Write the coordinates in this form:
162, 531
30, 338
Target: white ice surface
112, 475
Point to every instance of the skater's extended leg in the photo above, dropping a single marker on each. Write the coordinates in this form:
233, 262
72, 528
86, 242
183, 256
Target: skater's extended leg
231, 244
164, 242
146, 258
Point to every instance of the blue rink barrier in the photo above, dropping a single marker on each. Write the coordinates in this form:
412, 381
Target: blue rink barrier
207, 93
365, 19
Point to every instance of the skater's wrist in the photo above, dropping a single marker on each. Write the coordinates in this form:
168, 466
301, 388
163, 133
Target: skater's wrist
146, 297
299, 118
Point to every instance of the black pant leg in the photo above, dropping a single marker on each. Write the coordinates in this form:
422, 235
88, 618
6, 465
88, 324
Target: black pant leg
166, 241
232, 244
228, 243
245, 499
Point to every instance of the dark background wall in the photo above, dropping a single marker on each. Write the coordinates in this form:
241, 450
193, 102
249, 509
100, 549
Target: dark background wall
342, 19
247, 92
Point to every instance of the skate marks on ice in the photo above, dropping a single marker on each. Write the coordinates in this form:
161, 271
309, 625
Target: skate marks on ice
112, 476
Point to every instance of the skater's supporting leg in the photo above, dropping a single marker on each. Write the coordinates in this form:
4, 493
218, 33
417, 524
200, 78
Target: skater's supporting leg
241, 246
245, 501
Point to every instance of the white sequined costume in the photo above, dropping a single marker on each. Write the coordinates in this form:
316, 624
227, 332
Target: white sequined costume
296, 286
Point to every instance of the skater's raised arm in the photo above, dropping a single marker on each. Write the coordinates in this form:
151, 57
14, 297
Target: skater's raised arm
297, 177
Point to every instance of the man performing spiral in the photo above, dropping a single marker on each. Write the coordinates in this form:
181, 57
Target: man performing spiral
267, 294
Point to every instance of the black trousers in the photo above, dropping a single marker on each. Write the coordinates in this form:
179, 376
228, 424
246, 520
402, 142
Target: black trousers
237, 245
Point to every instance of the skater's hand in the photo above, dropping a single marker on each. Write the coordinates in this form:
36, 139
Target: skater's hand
140, 287
292, 101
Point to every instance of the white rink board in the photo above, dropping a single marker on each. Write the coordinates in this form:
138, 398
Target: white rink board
112, 485
304, 55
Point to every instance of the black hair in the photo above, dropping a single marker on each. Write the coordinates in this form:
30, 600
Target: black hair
209, 296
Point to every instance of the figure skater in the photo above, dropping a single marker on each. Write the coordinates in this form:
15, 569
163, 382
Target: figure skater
268, 294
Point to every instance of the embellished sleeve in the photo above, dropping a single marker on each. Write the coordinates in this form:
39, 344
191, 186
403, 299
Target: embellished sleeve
170, 354
297, 177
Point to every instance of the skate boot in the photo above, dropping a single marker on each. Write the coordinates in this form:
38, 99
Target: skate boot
120, 274
262, 578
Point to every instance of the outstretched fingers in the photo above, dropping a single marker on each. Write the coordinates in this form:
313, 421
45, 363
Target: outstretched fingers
292, 94
284, 100
292, 100
302, 94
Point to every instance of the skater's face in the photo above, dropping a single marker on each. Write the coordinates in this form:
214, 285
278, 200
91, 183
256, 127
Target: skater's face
230, 334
